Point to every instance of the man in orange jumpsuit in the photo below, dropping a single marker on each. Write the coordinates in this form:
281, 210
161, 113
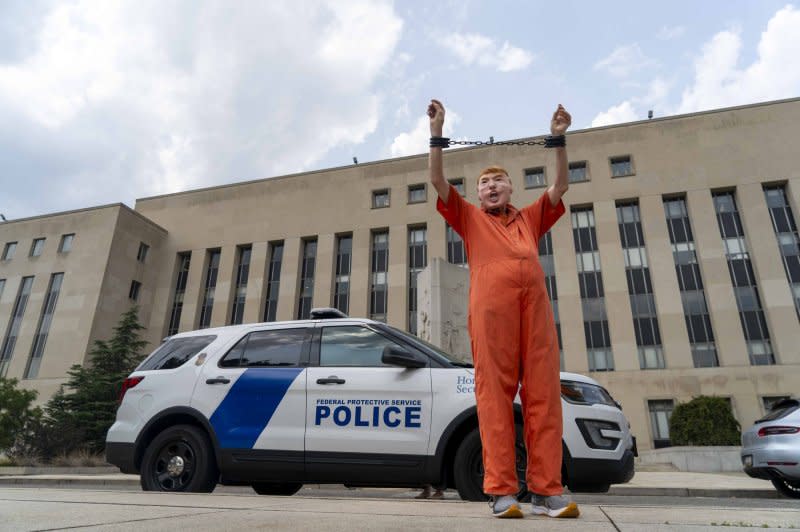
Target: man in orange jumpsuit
511, 326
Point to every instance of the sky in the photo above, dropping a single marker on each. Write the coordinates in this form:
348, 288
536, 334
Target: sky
109, 101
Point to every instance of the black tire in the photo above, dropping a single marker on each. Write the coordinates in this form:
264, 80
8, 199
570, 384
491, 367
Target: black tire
468, 467
789, 488
589, 488
276, 488
180, 458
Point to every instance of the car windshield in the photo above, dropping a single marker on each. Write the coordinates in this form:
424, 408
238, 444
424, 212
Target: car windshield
427, 345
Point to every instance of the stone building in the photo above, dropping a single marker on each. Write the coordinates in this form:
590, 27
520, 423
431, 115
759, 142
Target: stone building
675, 271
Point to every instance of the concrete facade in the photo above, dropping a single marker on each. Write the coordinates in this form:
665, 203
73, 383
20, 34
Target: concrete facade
738, 149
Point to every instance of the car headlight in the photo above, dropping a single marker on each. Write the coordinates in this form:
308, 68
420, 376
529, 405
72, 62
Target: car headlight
582, 393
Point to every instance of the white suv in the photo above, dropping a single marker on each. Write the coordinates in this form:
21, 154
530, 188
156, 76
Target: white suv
332, 400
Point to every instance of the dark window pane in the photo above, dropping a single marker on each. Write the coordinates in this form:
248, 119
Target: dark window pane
741, 272
280, 347
175, 352
352, 346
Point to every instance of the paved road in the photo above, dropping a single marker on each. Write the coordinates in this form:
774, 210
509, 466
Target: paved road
30, 508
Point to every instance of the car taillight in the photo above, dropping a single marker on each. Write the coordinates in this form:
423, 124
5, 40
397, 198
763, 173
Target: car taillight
127, 384
772, 431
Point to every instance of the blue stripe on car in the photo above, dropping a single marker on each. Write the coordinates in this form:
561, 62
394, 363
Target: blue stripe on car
250, 404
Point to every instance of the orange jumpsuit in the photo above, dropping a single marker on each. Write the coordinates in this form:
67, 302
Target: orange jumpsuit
514, 340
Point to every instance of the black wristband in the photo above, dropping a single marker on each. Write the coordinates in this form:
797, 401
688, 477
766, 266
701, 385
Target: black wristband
440, 142
555, 141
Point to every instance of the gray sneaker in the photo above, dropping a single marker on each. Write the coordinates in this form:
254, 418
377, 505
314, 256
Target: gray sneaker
505, 506
554, 506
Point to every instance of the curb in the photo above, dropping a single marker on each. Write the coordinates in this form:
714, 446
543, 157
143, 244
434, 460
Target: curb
615, 491
724, 493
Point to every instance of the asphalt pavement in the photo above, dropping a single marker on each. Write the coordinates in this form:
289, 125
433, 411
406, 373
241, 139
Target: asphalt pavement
29, 508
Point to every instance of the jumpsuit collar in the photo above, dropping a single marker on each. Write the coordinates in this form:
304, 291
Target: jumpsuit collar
504, 218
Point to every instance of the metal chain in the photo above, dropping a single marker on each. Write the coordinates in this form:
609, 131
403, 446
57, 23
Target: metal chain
501, 143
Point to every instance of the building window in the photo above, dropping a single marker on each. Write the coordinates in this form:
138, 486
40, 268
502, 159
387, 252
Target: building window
549, 269
640, 287
344, 259
2, 287
690, 283
133, 292
240, 293
9, 250
43, 329
786, 231
590, 280
65, 246
141, 255
455, 247
184, 259
534, 177
273, 281
458, 183
307, 279
577, 172
417, 260
380, 198
12, 331
37, 247
209, 287
379, 270
770, 401
751, 314
621, 166
660, 412
417, 193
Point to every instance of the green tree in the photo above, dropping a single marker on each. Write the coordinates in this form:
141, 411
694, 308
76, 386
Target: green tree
80, 414
704, 420
16, 414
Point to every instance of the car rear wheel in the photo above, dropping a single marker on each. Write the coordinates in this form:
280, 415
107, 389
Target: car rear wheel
468, 467
180, 458
790, 488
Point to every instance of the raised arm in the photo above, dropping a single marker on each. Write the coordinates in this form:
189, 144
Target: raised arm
435, 165
558, 126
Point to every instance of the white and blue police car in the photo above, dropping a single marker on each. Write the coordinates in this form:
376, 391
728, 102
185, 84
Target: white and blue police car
332, 400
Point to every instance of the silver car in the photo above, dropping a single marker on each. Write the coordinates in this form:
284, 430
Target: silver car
771, 448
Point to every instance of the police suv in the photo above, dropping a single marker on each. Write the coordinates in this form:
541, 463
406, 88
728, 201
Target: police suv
333, 400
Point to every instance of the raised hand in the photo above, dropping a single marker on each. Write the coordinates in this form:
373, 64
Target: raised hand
436, 114
561, 121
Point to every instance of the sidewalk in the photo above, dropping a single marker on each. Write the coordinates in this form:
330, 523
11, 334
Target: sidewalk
655, 483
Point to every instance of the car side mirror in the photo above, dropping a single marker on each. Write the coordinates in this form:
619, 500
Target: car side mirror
397, 356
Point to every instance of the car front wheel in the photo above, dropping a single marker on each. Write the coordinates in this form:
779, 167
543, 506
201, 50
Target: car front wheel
468, 467
180, 458
790, 488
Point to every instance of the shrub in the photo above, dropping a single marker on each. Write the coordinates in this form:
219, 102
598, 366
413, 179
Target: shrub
704, 420
78, 416
16, 414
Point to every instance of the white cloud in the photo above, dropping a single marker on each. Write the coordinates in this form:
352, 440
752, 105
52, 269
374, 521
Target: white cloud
154, 97
774, 74
624, 61
416, 140
668, 33
617, 114
636, 108
719, 81
478, 49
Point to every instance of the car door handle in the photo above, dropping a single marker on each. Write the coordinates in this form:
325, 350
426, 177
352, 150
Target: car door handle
218, 380
333, 379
